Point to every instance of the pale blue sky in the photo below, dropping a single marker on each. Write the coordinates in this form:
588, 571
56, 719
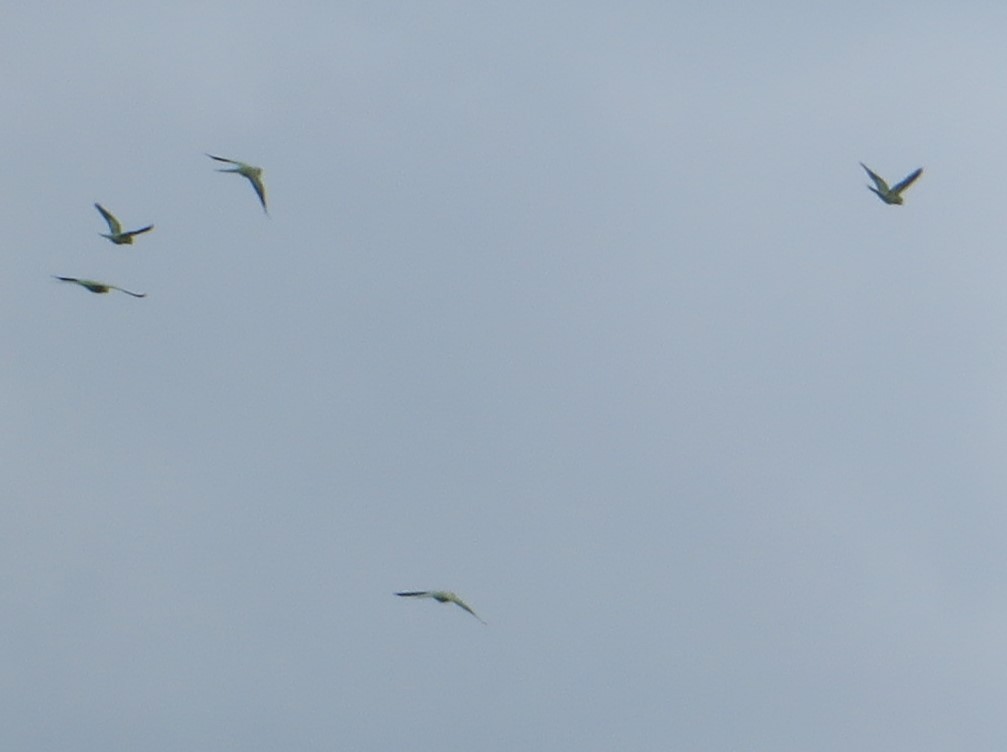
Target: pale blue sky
583, 311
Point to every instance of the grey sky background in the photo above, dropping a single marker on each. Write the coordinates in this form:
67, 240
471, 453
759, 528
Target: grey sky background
582, 311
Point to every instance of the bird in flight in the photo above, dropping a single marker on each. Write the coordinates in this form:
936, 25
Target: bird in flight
441, 596
891, 195
254, 175
99, 287
116, 235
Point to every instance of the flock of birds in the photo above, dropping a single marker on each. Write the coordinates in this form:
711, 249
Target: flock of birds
888, 194
119, 236
125, 237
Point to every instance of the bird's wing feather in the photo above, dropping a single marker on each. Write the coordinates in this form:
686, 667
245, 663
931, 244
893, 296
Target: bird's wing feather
460, 602
148, 228
907, 181
128, 292
878, 180
221, 159
260, 191
415, 593
113, 223
88, 284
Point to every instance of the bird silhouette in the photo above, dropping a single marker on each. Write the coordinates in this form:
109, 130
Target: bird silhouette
254, 175
99, 287
116, 235
891, 195
441, 596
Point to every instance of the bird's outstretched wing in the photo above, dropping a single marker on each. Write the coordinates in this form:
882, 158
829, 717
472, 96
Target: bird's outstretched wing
88, 284
222, 159
113, 224
459, 602
260, 189
415, 593
907, 181
128, 292
131, 233
878, 180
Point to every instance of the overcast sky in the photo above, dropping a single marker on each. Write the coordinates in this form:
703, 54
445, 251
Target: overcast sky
579, 309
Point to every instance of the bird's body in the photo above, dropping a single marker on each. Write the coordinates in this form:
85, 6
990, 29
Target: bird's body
115, 234
891, 195
441, 596
254, 175
99, 287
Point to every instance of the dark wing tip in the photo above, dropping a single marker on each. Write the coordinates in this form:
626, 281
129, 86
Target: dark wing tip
415, 592
219, 159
